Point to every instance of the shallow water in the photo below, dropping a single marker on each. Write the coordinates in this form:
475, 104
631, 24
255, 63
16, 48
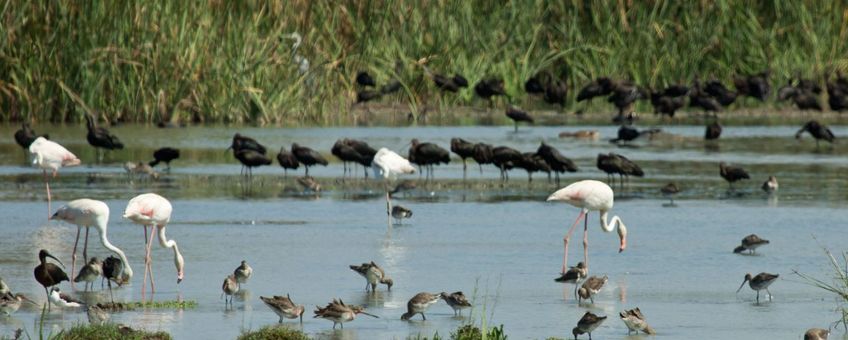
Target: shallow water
499, 243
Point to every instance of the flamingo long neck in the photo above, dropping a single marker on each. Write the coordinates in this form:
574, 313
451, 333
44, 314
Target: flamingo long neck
617, 224
166, 243
102, 227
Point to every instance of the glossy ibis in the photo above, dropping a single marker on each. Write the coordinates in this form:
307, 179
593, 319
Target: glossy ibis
490, 87
166, 155
426, 155
755, 86
506, 158
100, 138
627, 133
535, 85
722, 94
26, 135
614, 163
599, 87
450, 84
732, 173
713, 131
518, 116
624, 95
251, 159
363, 78
287, 160
48, 274
555, 160
482, 155
818, 130
464, 149
667, 105
307, 157
806, 100
246, 143
532, 162
364, 150
346, 154
669, 190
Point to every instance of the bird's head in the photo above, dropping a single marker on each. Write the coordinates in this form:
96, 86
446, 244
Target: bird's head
178, 261
747, 278
576, 331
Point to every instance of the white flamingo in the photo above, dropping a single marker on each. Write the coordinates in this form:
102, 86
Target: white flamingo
91, 213
49, 155
154, 211
589, 195
388, 165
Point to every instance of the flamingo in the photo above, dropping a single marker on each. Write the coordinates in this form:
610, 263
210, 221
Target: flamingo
590, 195
388, 165
87, 213
155, 211
49, 155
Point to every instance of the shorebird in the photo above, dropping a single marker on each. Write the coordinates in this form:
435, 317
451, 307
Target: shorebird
339, 313
284, 307
457, 301
400, 212
426, 155
87, 213
818, 130
517, 116
635, 322
669, 190
387, 165
590, 195
287, 160
63, 300
154, 211
140, 169
816, 334
587, 324
49, 155
309, 184
759, 282
246, 143
732, 173
101, 138
165, 155
464, 149
405, 185
307, 157
555, 160
96, 315
373, 274
90, 272
242, 273
418, 304
750, 243
580, 134
48, 274
11, 303
770, 185
229, 288
574, 275
590, 288
113, 270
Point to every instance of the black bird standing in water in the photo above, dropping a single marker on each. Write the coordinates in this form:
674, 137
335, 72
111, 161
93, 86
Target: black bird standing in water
713, 131
732, 173
426, 155
365, 150
506, 158
555, 160
346, 154
166, 155
490, 87
251, 159
818, 131
599, 87
26, 135
287, 160
464, 149
307, 157
100, 138
482, 155
243, 142
518, 116
113, 270
48, 274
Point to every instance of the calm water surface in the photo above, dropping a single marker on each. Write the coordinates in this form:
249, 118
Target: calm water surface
500, 244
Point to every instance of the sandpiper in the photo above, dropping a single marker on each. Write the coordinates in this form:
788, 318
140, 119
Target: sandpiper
816, 334
96, 315
284, 307
591, 287
400, 212
373, 274
339, 313
759, 282
63, 300
587, 324
750, 243
11, 303
669, 190
90, 272
457, 301
770, 185
635, 321
242, 273
418, 304
230, 288
309, 184
574, 275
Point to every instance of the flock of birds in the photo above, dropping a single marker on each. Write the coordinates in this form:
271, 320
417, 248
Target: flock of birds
154, 211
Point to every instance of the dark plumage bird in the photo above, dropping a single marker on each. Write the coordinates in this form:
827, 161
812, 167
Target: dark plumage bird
391, 87
100, 138
750, 243
113, 270
364, 150
252, 159
364, 96
556, 93
722, 94
599, 87
532, 162
166, 155
587, 324
246, 143
48, 274
490, 87
713, 131
614, 163
806, 100
536, 84
307, 157
624, 95
732, 173
755, 86
555, 160
287, 160
449, 84
670, 190
26, 135
818, 130
627, 133
483, 155
346, 154
675, 90
760, 282
427, 155
363, 78
837, 96
667, 105
518, 116
457, 301
704, 101
506, 158
464, 149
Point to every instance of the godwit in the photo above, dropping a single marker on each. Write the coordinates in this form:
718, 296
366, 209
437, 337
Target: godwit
816, 334
90, 272
590, 195
339, 313
590, 288
230, 287
63, 300
635, 322
418, 304
309, 184
49, 155
284, 307
154, 211
771, 185
750, 243
48, 274
732, 173
400, 212
242, 273
587, 324
11, 303
759, 282
96, 315
4, 288
457, 301
574, 275
373, 274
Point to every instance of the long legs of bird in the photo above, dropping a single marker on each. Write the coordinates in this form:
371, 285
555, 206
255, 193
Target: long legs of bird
388, 207
583, 213
47, 186
148, 261
84, 251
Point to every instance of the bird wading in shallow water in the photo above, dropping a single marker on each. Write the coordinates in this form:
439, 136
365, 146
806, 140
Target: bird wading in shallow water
49, 155
154, 211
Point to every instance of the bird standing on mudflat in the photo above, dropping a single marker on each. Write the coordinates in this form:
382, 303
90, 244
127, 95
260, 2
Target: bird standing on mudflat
732, 173
418, 304
287, 160
166, 155
284, 307
48, 274
307, 156
464, 149
670, 190
557, 162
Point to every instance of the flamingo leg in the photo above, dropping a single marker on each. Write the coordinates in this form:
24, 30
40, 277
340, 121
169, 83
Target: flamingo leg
47, 186
565, 241
150, 259
586, 244
146, 267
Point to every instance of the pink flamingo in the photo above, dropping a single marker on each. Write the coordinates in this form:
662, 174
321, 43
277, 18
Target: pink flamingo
154, 211
87, 213
589, 195
49, 155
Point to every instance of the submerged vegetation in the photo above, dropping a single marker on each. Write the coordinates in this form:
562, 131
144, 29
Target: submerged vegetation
274, 333
233, 61
109, 331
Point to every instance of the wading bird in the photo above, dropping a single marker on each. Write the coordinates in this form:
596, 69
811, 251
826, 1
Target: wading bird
230, 287
287, 160
49, 155
669, 190
418, 304
48, 274
732, 173
574, 275
373, 275
816, 334
284, 307
100, 138
11, 303
587, 324
771, 185
590, 288
63, 300
90, 272
165, 155
26, 135
750, 243
457, 301
307, 157
427, 155
818, 130
635, 322
339, 313
154, 211
113, 270
387, 165
464, 149
86, 213
400, 212
590, 195
242, 273
518, 116
760, 282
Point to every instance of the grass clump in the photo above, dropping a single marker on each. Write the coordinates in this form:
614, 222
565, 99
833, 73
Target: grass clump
274, 333
109, 331
471, 332
838, 284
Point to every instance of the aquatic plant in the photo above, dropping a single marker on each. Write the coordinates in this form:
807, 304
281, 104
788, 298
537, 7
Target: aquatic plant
108, 331
838, 284
181, 60
274, 333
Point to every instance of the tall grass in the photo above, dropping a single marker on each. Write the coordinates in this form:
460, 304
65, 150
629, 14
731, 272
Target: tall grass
228, 61
837, 284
